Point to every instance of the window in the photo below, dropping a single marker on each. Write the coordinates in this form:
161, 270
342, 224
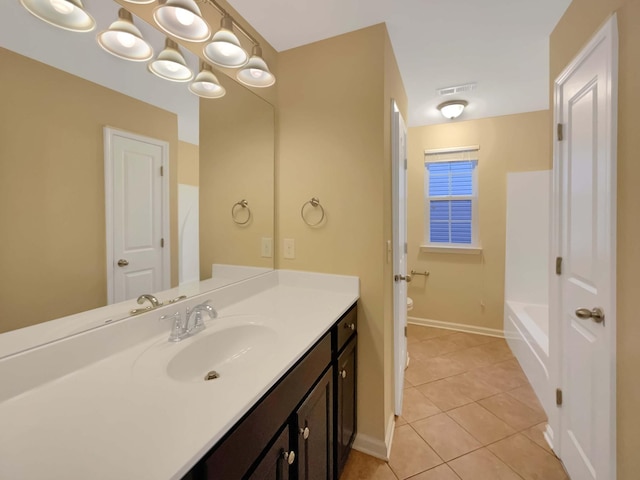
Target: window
451, 200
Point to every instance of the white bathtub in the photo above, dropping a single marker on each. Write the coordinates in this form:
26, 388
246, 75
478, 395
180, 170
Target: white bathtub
526, 328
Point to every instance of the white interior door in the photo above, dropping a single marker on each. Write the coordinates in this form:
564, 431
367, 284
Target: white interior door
586, 168
137, 215
399, 155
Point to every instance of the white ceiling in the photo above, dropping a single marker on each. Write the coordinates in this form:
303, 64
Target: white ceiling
500, 44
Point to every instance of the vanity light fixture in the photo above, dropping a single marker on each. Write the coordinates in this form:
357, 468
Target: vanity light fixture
66, 14
124, 40
225, 49
170, 64
206, 84
182, 19
256, 72
453, 108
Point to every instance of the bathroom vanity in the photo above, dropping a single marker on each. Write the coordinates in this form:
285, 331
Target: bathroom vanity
121, 401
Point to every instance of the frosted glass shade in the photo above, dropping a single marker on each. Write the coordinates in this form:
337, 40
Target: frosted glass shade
182, 19
256, 72
170, 64
452, 109
66, 14
206, 85
124, 40
225, 49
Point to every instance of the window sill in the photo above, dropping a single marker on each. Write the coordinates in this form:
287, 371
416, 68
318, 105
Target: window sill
464, 250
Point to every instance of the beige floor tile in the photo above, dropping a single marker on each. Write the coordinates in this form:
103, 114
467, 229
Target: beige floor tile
527, 459
512, 411
482, 465
536, 434
504, 375
499, 350
526, 395
400, 421
481, 423
410, 454
471, 358
416, 406
443, 472
444, 395
363, 467
407, 383
466, 340
445, 436
431, 369
471, 385
432, 347
418, 332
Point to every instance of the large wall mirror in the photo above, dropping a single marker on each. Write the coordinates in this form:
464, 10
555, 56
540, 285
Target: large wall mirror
58, 92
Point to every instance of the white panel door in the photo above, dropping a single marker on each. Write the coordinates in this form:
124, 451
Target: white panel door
585, 103
399, 156
139, 248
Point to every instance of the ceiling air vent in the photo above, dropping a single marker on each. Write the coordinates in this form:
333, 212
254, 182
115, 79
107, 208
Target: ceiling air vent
467, 87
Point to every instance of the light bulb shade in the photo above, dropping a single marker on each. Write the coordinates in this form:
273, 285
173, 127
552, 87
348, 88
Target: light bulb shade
66, 14
206, 85
256, 72
452, 109
124, 40
140, 2
182, 19
225, 49
170, 64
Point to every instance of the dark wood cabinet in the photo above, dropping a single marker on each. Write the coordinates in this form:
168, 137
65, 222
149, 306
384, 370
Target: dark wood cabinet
315, 432
303, 428
345, 403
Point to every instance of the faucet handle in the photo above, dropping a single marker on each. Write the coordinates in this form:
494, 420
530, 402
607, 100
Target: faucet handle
177, 329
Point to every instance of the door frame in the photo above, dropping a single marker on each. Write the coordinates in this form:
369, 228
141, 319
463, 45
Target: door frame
608, 33
108, 134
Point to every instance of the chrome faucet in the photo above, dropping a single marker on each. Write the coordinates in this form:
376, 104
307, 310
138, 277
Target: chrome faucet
183, 329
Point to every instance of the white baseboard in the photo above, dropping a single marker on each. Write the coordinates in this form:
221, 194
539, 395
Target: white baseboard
374, 446
458, 327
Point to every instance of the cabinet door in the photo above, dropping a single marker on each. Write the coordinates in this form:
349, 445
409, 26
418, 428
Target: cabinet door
315, 432
346, 403
275, 463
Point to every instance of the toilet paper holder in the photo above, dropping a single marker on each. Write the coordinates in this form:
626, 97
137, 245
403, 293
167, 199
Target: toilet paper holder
424, 274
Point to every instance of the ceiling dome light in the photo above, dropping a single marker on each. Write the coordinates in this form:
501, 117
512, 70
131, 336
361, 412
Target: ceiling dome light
225, 49
140, 2
182, 19
452, 109
67, 14
206, 84
124, 40
170, 64
256, 72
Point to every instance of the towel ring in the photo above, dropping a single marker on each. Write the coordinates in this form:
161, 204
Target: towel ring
314, 202
242, 204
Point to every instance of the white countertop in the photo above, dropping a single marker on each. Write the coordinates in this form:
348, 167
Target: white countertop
111, 413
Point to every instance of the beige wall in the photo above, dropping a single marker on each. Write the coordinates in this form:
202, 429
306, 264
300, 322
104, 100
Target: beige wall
188, 164
334, 125
236, 162
52, 245
580, 22
459, 284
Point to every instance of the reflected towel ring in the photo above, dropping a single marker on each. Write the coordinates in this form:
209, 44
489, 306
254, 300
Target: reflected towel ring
314, 202
243, 204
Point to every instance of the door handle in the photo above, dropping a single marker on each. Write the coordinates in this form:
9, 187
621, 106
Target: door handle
399, 278
122, 262
597, 315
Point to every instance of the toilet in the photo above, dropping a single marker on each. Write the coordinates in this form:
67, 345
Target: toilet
409, 304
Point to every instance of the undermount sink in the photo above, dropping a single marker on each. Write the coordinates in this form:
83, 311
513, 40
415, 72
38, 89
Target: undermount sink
220, 350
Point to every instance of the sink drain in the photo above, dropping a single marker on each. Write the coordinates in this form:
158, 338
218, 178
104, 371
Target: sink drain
212, 375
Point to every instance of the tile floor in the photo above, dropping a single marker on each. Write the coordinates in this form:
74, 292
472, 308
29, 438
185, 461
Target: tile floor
469, 414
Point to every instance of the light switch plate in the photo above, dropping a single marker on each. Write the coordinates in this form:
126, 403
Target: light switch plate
289, 248
267, 247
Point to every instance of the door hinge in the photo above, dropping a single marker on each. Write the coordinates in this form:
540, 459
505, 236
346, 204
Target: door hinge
560, 132
558, 396
406, 248
405, 330
405, 163
162, 243
162, 171
558, 265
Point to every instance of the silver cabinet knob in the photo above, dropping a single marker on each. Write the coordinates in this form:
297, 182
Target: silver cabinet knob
350, 326
122, 262
305, 432
290, 457
597, 315
399, 278
343, 373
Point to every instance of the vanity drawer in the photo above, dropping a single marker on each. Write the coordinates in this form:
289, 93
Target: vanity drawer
346, 327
